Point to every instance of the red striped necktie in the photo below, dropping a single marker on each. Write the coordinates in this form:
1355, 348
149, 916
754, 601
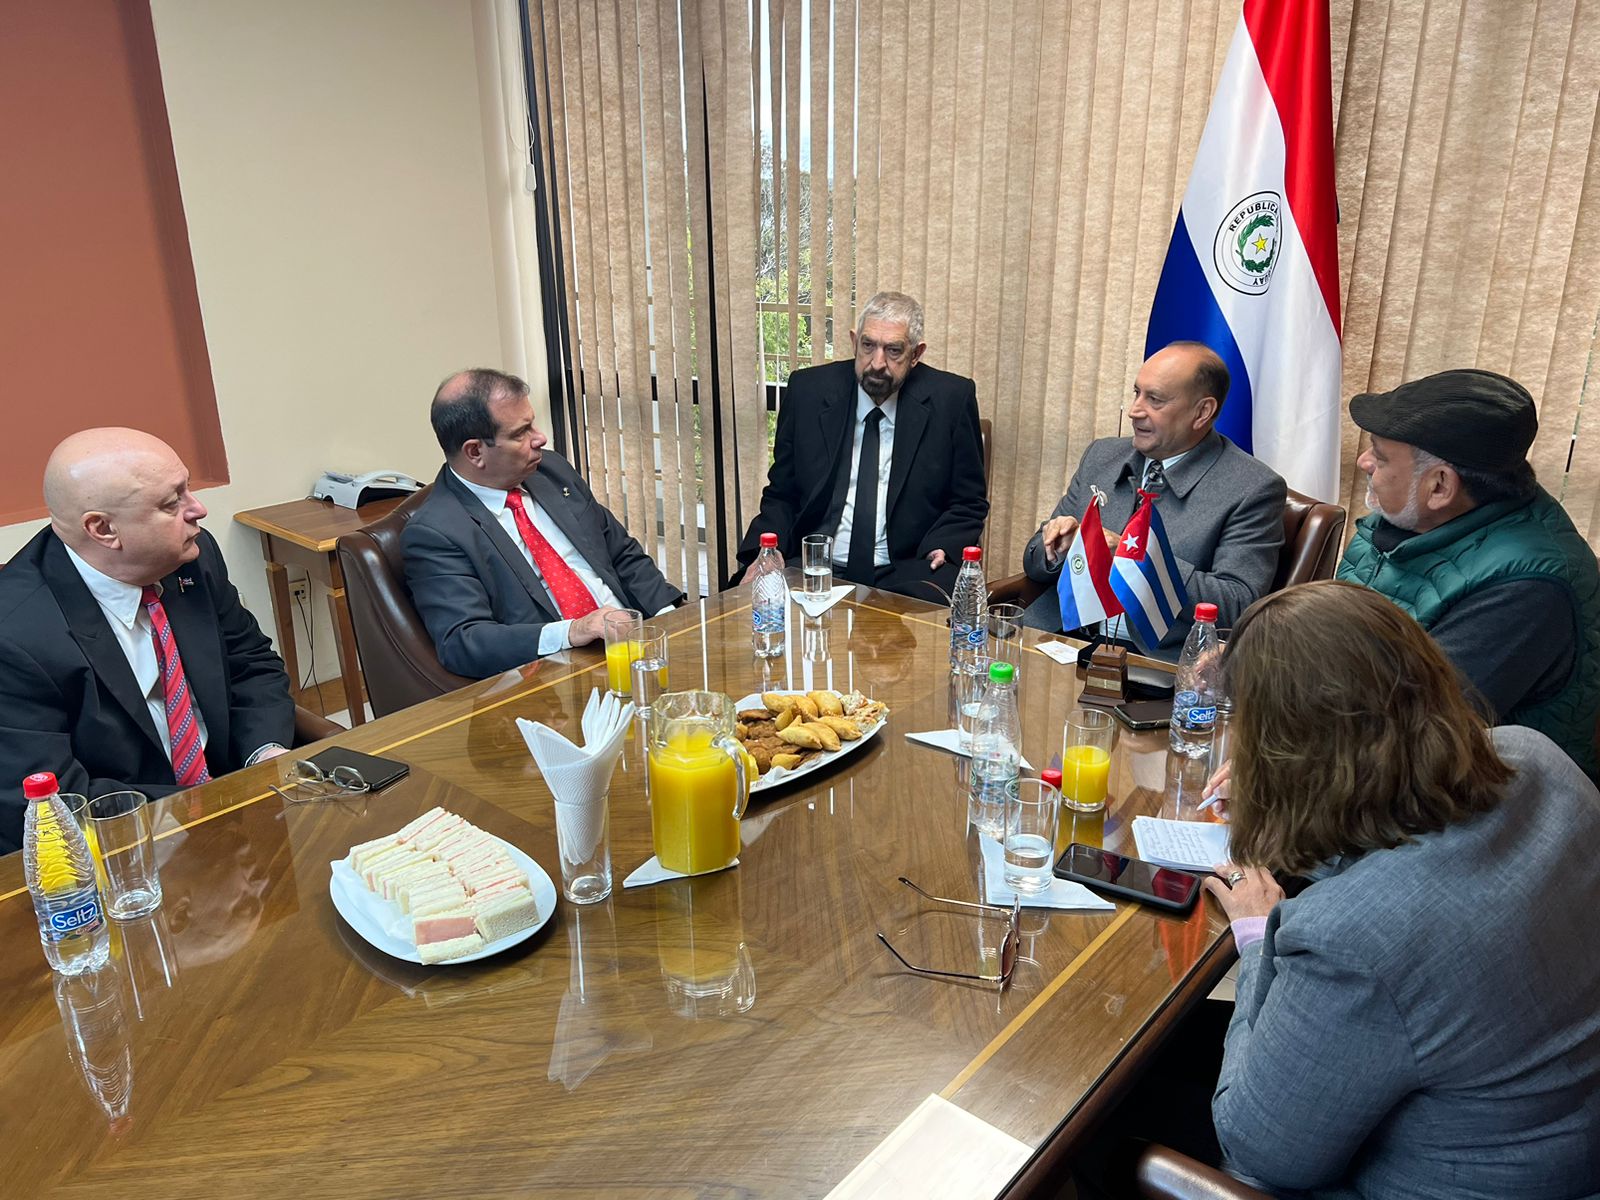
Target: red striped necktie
183, 731
572, 598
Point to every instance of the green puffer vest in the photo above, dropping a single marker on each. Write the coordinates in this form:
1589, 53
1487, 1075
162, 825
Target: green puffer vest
1494, 544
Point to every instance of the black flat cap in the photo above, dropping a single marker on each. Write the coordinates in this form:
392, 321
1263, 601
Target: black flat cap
1469, 418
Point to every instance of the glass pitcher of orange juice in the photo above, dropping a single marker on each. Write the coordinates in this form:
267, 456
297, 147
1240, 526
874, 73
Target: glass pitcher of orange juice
699, 781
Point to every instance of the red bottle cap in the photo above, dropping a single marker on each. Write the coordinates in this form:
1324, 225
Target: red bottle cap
37, 787
1205, 612
972, 554
1051, 776
769, 539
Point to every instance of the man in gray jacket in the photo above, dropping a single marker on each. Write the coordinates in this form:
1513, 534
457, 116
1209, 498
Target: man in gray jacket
1222, 509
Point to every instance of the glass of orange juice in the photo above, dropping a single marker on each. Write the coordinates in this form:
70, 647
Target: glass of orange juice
623, 631
1085, 771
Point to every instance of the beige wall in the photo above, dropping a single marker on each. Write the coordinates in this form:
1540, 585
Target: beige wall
345, 236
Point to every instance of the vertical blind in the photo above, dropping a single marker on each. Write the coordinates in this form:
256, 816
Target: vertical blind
731, 179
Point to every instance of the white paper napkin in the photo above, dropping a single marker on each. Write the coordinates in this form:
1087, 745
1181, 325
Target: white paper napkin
653, 872
580, 776
815, 606
1064, 654
950, 740
1062, 893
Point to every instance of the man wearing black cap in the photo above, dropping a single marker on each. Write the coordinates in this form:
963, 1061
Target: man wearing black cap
1463, 538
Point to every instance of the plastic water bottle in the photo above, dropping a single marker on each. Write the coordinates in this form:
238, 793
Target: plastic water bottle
60, 872
769, 596
996, 752
969, 609
1194, 702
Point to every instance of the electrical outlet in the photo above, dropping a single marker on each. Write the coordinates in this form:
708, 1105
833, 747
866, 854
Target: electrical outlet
300, 590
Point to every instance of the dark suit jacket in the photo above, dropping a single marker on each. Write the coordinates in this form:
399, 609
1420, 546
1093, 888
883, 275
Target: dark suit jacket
484, 606
1223, 513
68, 700
937, 495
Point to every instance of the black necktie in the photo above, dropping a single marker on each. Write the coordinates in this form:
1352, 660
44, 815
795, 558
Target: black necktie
864, 522
1155, 478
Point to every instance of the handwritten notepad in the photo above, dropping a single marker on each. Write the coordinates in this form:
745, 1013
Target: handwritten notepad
1187, 845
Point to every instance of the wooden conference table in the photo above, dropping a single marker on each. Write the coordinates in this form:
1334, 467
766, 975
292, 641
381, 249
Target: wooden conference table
738, 1034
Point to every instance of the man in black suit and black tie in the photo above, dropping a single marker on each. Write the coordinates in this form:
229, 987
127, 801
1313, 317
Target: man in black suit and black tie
511, 557
883, 453
126, 659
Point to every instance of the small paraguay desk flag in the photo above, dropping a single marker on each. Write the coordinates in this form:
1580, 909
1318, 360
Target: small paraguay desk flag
1146, 578
1083, 588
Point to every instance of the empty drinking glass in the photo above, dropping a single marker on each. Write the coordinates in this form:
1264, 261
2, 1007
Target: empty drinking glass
1005, 633
121, 822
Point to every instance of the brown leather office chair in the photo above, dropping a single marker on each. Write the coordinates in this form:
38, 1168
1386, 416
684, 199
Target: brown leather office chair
397, 655
1313, 536
1164, 1174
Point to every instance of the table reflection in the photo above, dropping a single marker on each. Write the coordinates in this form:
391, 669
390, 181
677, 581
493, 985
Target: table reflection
598, 1017
700, 944
145, 950
99, 1039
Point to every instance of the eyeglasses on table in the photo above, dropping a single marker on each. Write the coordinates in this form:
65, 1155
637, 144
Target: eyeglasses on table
1008, 949
307, 782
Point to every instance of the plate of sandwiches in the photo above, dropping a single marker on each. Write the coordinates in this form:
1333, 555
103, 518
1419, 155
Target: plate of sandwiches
791, 734
441, 890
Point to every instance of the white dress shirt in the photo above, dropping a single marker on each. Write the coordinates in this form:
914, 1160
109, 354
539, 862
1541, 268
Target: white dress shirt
555, 635
841, 536
123, 606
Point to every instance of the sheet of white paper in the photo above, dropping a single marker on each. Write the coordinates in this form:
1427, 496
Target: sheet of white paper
1189, 845
950, 740
939, 1152
1061, 893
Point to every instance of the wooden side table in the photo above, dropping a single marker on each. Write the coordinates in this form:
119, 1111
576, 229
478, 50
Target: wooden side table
303, 533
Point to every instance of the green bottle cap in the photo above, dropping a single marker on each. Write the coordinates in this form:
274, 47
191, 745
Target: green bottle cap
1001, 672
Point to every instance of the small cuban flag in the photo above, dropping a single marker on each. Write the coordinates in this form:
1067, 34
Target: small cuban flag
1145, 576
1084, 587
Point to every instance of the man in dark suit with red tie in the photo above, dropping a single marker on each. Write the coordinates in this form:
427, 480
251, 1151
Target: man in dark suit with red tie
511, 557
884, 454
126, 659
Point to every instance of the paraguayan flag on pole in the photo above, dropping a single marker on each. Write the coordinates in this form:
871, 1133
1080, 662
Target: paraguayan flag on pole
1146, 578
1253, 267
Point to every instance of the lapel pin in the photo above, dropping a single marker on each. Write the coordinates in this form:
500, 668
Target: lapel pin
184, 583
567, 492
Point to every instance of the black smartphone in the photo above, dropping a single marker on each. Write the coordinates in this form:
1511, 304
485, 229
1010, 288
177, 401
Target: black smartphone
1128, 878
1144, 714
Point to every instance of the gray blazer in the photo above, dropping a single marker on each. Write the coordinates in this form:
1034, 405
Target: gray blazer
484, 606
1223, 513
1425, 1021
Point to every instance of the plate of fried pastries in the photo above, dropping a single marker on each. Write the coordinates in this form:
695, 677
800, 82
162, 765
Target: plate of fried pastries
790, 734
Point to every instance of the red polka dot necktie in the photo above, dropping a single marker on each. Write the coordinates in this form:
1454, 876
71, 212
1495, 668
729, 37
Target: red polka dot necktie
183, 731
572, 598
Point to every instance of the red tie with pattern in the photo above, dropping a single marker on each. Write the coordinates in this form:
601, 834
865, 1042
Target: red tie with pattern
572, 598
183, 731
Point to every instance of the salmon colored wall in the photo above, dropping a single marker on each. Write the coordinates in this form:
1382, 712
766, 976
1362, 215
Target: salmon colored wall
99, 317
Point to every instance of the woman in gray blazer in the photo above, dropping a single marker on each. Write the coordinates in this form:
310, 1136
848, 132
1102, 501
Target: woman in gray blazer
1424, 1019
